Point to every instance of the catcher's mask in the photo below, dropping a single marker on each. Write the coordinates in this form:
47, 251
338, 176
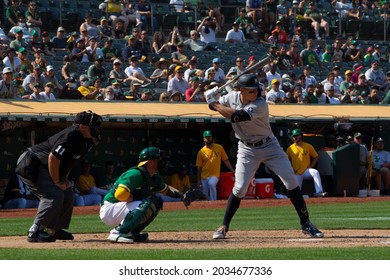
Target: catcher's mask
91, 119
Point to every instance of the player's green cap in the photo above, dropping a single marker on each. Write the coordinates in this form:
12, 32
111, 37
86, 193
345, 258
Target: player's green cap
147, 154
296, 132
207, 133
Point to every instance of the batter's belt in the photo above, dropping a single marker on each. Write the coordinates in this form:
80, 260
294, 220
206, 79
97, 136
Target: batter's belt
259, 143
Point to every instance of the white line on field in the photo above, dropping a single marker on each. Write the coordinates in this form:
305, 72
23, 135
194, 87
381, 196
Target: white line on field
359, 219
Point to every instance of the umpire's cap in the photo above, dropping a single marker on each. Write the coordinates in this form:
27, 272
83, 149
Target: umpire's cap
147, 154
296, 132
88, 118
248, 81
207, 133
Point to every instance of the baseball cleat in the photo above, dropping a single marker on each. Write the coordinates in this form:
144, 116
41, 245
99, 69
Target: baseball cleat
140, 236
320, 194
117, 237
40, 236
310, 229
63, 235
220, 233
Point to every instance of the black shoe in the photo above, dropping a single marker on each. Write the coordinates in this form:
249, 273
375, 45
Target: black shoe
140, 236
63, 235
310, 229
40, 236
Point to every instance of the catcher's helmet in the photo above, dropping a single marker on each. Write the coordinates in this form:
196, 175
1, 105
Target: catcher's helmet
248, 81
296, 132
149, 153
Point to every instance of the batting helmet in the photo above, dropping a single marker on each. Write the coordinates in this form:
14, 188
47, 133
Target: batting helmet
149, 153
296, 132
248, 81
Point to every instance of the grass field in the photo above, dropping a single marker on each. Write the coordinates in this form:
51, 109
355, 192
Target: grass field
335, 216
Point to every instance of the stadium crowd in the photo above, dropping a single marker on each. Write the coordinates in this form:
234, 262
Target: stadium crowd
123, 54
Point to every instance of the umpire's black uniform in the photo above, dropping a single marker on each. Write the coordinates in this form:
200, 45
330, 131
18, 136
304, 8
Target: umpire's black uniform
51, 162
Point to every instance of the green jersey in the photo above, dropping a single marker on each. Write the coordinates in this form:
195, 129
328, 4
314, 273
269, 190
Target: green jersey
139, 182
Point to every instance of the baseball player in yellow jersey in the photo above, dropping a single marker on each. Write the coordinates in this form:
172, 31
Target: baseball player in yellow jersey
303, 158
249, 114
208, 162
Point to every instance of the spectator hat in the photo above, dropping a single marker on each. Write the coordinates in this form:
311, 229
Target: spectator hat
362, 75
354, 42
79, 40
370, 49
133, 58
298, 28
376, 46
7, 70
307, 67
131, 37
379, 139
286, 77
207, 133
252, 57
357, 67
22, 50
336, 67
357, 135
37, 67
115, 82
194, 79
295, 2
37, 85
34, 32
49, 84
161, 60
235, 23
103, 18
45, 34
49, 68
99, 58
17, 30
216, 60
274, 81
178, 67
349, 138
60, 29
348, 72
117, 61
328, 87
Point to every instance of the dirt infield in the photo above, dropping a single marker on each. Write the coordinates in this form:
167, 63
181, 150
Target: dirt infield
203, 240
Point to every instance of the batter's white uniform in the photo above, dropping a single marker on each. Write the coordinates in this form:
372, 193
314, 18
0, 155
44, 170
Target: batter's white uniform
257, 144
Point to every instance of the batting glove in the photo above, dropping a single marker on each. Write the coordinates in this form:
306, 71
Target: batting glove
212, 95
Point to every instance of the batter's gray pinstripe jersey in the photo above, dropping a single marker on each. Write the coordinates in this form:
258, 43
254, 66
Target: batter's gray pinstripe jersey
258, 127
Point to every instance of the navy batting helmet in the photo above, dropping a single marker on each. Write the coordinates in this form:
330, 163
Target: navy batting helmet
248, 81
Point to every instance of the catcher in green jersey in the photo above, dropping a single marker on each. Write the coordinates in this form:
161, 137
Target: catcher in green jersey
131, 204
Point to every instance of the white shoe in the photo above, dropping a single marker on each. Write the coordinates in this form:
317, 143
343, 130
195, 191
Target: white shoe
117, 237
220, 233
363, 193
374, 193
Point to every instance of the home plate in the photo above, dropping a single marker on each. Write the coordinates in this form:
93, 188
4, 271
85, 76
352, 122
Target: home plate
306, 240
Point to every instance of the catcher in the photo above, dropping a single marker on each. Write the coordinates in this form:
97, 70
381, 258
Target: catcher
131, 204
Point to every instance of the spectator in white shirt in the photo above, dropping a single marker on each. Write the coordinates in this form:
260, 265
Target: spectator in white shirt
235, 35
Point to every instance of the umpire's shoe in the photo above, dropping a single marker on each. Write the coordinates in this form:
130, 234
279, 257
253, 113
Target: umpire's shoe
63, 235
310, 229
37, 235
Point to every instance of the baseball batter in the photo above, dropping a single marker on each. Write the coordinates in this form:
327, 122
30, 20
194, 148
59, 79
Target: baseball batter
131, 204
248, 112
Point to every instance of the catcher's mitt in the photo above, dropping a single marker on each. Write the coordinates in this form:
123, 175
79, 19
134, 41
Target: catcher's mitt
192, 195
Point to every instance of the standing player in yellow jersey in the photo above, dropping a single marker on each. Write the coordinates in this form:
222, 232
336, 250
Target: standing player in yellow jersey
208, 162
303, 158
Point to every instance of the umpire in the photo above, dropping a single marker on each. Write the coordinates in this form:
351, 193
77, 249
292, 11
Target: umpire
45, 167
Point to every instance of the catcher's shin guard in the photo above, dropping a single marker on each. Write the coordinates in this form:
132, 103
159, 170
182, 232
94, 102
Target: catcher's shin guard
142, 216
299, 203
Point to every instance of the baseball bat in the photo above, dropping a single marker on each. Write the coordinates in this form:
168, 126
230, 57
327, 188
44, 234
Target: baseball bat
260, 63
370, 164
